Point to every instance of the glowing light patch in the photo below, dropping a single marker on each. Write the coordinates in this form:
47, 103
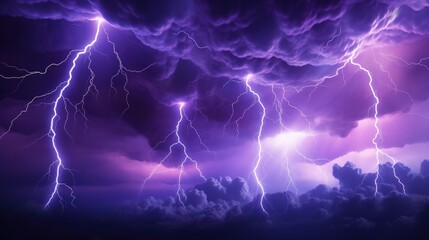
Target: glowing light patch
287, 139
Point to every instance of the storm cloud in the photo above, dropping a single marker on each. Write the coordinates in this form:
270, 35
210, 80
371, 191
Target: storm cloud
199, 52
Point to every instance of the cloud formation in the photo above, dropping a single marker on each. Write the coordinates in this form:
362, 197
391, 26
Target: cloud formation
300, 43
221, 208
197, 48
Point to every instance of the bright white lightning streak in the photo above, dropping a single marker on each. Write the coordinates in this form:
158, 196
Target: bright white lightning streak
378, 151
366, 40
381, 25
52, 132
78, 107
31, 73
33, 100
185, 152
258, 161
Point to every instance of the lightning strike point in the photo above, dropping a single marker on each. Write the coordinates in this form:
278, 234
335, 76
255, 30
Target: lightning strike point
99, 19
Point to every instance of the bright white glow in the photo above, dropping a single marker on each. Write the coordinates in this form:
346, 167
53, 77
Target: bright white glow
99, 19
288, 139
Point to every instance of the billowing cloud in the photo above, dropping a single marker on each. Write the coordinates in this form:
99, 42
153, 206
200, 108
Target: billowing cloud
282, 41
199, 45
329, 212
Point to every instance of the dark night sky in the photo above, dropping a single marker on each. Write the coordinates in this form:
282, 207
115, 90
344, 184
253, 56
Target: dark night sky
328, 73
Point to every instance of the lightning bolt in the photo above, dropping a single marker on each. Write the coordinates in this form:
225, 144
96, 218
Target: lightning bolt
256, 100
369, 39
52, 132
261, 126
58, 166
123, 71
379, 151
278, 105
179, 143
381, 25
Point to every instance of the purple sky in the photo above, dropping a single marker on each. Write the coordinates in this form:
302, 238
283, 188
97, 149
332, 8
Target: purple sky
201, 53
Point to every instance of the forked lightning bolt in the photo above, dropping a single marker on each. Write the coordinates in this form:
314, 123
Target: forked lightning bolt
378, 151
179, 143
53, 134
261, 126
368, 40
58, 165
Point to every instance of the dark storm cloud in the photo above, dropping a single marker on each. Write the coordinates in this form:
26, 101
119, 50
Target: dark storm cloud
34, 9
285, 41
225, 189
351, 211
352, 178
281, 40
424, 168
322, 202
199, 45
345, 213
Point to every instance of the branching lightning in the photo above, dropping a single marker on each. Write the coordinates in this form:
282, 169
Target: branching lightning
52, 132
256, 100
379, 151
179, 143
58, 164
57, 168
368, 40
279, 99
261, 126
